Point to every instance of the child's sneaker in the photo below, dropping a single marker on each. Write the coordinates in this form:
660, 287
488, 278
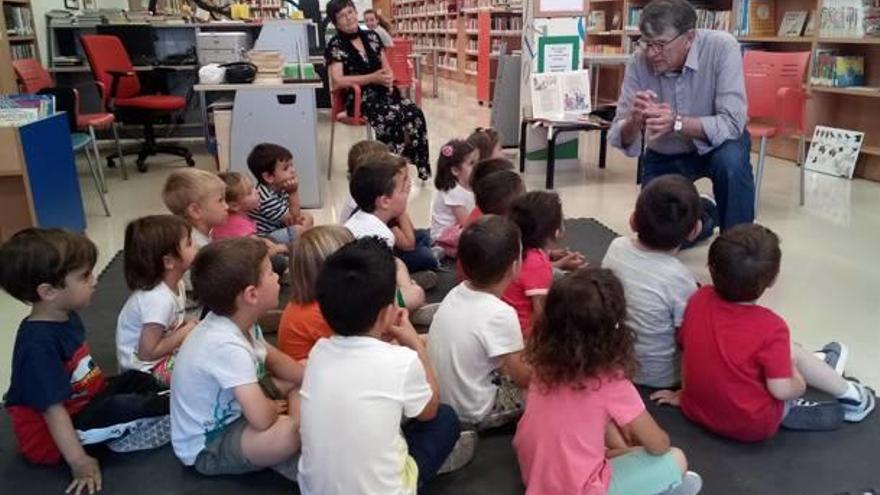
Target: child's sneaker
857, 410
439, 253
462, 453
691, 484
422, 317
835, 355
427, 279
148, 433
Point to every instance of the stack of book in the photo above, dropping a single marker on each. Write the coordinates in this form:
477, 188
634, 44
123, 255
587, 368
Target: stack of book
713, 19
839, 71
16, 110
19, 20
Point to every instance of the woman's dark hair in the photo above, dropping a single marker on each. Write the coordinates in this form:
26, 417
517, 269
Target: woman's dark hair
484, 139
355, 284
743, 261
581, 335
223, 269
495, 192
666, 212
452, 154
660, 16
148, 241
336, 6
538, 215
488, 248
36, 256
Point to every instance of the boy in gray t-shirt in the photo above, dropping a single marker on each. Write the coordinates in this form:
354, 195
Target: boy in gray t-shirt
657, 285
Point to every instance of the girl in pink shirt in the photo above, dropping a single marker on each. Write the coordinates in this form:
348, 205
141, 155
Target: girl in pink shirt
570, 439
539, 217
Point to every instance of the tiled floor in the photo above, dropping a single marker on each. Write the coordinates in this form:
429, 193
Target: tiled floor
829, 288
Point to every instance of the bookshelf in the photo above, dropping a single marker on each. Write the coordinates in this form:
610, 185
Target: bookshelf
452, 27
842, 107
17, 40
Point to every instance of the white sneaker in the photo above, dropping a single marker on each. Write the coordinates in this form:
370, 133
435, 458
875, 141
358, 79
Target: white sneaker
462, 453
691, 484
422, 317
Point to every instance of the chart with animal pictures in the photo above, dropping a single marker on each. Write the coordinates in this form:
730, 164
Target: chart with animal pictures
834, 151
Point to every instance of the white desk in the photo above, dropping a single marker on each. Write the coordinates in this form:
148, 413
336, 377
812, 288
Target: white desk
280, 113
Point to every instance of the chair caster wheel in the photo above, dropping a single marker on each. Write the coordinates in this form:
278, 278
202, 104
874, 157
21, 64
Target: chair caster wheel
141, 164
190, 162
111, 163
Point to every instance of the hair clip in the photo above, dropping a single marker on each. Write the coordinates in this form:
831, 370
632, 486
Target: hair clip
447, 150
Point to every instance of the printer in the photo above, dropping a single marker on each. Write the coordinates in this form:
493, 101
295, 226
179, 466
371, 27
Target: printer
221, 47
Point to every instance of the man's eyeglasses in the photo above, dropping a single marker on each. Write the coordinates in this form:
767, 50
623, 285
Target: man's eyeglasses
656, 46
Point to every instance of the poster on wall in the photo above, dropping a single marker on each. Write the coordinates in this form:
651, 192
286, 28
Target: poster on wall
558, 53
561, 96
834, 151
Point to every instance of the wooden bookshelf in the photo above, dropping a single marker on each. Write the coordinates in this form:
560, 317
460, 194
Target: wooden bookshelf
451, 27
15, 45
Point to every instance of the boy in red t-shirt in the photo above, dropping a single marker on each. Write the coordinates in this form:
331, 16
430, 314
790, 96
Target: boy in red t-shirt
741, 376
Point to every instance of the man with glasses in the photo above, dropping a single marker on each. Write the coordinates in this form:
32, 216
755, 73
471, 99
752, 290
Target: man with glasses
683, 93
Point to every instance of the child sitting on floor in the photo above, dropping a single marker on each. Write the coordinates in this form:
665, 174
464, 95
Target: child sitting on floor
741, 376
302, 323
656, 283
483, 169
538, 214
357, 156
152, 325
454, 199
222, 421
487, 141
58, 398
199, 197
495, 193
279, 216
569, 439
358, 386
475, 341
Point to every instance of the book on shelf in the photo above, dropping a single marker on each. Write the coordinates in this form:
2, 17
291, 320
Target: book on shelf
16, 110
810, 26
842, 19
792, 24
633, 18
753, 18
871, 22
596, 21
19, 20
832, 69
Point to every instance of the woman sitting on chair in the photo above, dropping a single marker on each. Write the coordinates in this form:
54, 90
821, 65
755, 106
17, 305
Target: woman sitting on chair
356, 57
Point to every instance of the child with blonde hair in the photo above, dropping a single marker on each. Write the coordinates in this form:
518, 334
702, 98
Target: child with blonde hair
151, 326
199, 197
581, 353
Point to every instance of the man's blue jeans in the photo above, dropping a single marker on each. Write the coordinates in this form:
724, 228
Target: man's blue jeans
727, 166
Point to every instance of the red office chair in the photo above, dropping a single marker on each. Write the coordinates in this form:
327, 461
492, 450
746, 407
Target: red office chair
33, 78
398, 58
121, 93
777, 102
339, 114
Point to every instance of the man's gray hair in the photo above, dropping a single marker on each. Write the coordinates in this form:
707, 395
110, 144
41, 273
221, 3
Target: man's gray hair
660, 16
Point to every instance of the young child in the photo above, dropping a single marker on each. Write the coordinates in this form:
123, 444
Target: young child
538, 214
199, 197
358, 387
302, 323
381, 188
279, 217
483, 169
358, 154
741, 376
475, 341
495, 193
454, 199
487, 141
569, 438
222, 422
151, 326
656, 283
58, 398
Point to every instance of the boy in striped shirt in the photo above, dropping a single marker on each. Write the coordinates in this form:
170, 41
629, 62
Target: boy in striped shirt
279, 217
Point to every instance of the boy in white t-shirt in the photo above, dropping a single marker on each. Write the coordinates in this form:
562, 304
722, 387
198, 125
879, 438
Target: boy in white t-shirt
380, 190
222, 421
475, 335
358, 386
657, 285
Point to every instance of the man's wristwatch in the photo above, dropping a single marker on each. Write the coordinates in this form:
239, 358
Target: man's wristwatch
679, 124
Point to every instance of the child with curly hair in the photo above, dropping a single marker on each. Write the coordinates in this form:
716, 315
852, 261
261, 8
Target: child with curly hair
569, 439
